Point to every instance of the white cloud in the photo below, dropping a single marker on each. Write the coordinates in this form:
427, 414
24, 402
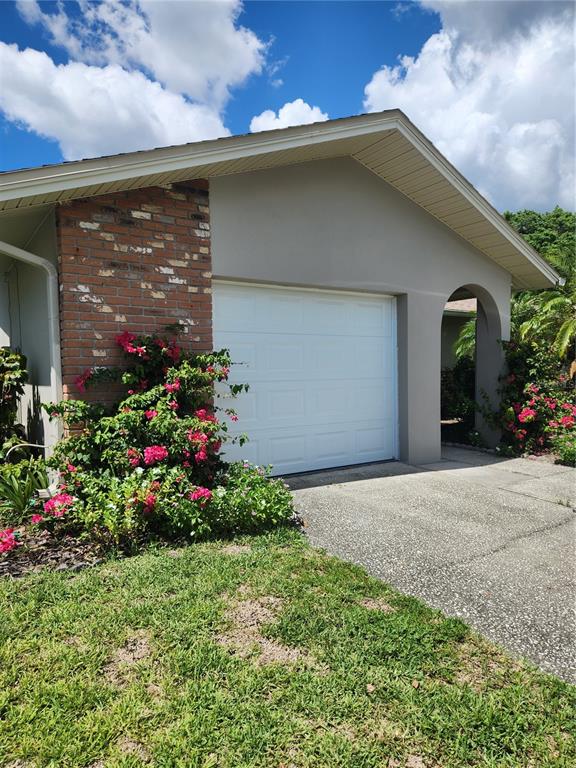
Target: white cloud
94, 111
496, 96
141, 73
194, 48
296, 112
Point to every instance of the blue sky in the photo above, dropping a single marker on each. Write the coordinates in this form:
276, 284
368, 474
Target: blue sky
491, 83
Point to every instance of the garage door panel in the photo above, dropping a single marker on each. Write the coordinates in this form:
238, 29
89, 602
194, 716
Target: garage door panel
322, 373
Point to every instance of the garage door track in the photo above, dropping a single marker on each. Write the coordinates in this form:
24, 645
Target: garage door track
487, 539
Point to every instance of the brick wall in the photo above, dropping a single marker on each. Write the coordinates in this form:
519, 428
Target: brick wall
135, 261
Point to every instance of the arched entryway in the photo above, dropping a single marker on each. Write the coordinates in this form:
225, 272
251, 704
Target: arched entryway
472, 322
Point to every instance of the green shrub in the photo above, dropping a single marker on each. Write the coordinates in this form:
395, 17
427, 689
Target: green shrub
538, 400
13, 377
564, 446
152, 464
19, 484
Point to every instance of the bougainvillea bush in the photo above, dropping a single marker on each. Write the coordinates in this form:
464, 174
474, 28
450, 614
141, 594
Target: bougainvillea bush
153, 463
13, 377
538, 411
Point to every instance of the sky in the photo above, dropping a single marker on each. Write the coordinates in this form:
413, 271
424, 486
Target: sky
490, 82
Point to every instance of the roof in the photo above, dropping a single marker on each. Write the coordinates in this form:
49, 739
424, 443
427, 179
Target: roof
461, 307
386, 143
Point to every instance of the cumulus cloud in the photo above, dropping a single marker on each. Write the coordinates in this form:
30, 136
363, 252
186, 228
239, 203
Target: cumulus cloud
296, 112
494, 90
140, 74
94, 111
194, 48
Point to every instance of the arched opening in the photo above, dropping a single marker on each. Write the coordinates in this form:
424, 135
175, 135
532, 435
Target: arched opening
472, 360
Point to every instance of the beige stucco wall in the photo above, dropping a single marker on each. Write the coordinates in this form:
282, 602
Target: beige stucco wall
333, 224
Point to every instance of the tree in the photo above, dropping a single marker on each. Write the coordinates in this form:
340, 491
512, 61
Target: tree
543, 317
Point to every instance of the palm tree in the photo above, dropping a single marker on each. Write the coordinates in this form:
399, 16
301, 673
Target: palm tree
545, 317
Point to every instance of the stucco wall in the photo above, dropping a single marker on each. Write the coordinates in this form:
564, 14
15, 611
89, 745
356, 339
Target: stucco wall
333, 224
5, 322
451, 325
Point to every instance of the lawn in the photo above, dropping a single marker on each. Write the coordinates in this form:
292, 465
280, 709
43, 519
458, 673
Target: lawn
264, 652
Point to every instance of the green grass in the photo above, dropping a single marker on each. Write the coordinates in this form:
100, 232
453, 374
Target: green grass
400, 687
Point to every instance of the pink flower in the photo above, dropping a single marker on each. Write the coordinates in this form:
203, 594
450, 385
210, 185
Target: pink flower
567, 421
151, 414
533, 388
125, 340
154, 453
8, 540
71, 468
58, 505
35, 519
133, 457
197, 437
203, 415
200, 456
201, 494
173, 351
173, 405
234, 417
553, 424
521, 434
149, 503
224, 372
526, 414
174, 387
82, 380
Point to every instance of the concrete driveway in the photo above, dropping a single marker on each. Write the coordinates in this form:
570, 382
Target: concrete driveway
487, 539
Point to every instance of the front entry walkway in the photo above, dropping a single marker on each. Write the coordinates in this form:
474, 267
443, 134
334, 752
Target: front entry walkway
487, 539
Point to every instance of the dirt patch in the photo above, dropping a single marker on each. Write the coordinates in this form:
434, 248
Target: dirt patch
155, 692
480, 666
134, 748
377, 604
246, 618
134, 650
236, 549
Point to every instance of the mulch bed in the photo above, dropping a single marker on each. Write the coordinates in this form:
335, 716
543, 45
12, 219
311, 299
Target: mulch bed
43, 551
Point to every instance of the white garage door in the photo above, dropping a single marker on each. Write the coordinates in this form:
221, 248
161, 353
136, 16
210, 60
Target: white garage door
321, 367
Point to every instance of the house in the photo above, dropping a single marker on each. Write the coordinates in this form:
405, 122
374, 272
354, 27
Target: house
321, 255
456, 314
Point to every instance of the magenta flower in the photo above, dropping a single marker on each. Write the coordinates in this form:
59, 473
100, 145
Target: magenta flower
133, 457
82, 380
174, 387
8, 540
58, 505
203, 495
526, 415
154, 453
151, 414
35, 519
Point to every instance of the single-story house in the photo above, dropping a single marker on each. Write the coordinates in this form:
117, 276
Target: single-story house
322, 256
456, 314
